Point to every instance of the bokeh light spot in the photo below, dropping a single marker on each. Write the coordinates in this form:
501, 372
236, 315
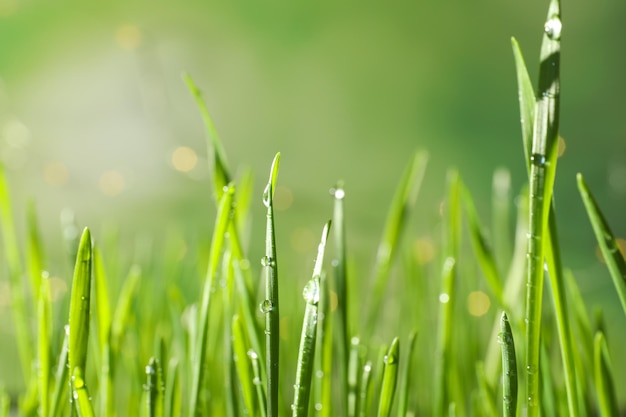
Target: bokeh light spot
58, 288
478, 303
184, 159
55, 173
561, 147
112, 183
302, 240
128, 36
334, 301
424, 251
283, 198
444, 298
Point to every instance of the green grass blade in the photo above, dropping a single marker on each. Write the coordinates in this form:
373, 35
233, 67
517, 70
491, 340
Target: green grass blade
59, 396
18, 305
35, 250
5, 403
405, 380
605, 386
306, 352
354, 370
501, 223
79, 305
243, 366
322, 401
606, 239
121, 314
199, 353
172, 401
509, 368
486, 395
80, 393
542, 172
221, 175
390, 379
270, 305
258, 382
446, 300
44, 320
365, 391
154, 389
103, 311
526, 95
401, 205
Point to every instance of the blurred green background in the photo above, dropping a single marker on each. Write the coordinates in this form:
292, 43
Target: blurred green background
94, 115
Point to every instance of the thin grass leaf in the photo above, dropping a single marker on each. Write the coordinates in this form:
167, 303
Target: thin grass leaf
306, 352
14, 263
509, 368
390, 379
122, 309
44, 320
487, 396
365, 397
243, 367
200, 349
322, 401
257, 381
548, 403
154, 389
35, 250
405, 379
270, 305
542, 173
354, 373
172, 401
61, 381
446, 300
401, 205
103, 312
606, 240
80, 393
501, 223
526, 95
605, 387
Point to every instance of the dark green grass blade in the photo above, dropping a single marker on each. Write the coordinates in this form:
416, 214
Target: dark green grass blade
18, 305
542, 172
606, 239
44, 321
270, 305
526, 95
444, 337
509, 368
221, 176
243, 366
172, 401
605, 387
390, 379
79, 305
401, 205
405, 380
80, 393
61, 382
306, 352
199, 352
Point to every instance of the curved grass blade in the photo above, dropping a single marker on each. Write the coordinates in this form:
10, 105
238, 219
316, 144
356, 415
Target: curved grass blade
401, 205
172, 399
405, 380
444, 338
270, 305
365, 391
606, 240
390, 379
542, 173
80, 393
43, 342
605, 387
257, 381
526, 95
306, 352
14, 263
199, 352
79, 305
59, 396
509, 368
243, 368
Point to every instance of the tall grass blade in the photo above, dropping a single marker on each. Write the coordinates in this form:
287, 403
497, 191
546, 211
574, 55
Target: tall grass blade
501, 223
509, 368
122, 311
605, 387
306, 352
44, 320
243, 366
61, 382
172, 401
354, 374
322, 401
542, 172
486, 395
80, 393
606, 240
258, 383
401, 205
5, 403
14, 263
35, 250
446, 300
103, 311
270, 305
199, 352
405, 380
154, 389
526, 95
365, 390
390, 379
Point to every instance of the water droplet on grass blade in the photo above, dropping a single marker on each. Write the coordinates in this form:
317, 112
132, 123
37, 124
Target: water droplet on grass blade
266, 306
267, 261
266, 196
553, 28
538, 160
311, 292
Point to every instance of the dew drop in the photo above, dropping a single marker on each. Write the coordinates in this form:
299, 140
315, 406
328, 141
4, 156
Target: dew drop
149, 370
268, 261
256, 380
319, 374
253, 355
311, 292
267, 332
355, 341
553, 28
538, 160
318, 406
444, 298
531, 370
266, 306
266, 196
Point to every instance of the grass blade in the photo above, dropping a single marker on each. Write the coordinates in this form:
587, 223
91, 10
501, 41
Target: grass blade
501, 223
154, 389
257, 381
243, 367
354, 368
446, 300
486, 396
365, 391
59, 396
390, 379
103, 311
526, 95
5, 403
403, 201
606, 240
35, 250
172, 399
306, 352
542, 172
509, 368
270, 305
44, 324
122, 309
605, 387
405, 381
199, 352
80, 393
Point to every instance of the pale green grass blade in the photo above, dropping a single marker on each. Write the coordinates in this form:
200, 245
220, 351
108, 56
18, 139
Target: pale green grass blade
5, 403
14, 263
173, 392
401, 205
44, 322
221, 175
306, 352
542, 172
526, 95
354, 373
390, 379
322, 401
405, 380
487, 395
605, 387
79, 305
103, 311
258, 383
270, 305
555, 275
606, 240
243, 366
365, 391
446, 299
548, 403
80, 393
35, 250
501, 222
198, 361
122, 311
509, 368
61, 381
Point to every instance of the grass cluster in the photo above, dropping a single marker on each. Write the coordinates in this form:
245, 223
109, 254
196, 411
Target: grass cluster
193, 332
